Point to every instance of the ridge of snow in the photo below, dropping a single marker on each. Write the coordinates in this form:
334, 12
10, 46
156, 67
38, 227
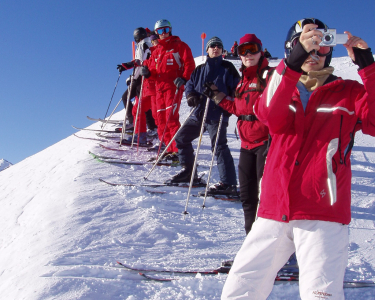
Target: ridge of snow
63, 230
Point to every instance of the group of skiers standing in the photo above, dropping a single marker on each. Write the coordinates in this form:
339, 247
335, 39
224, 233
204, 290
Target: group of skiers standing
299, 113
165, 69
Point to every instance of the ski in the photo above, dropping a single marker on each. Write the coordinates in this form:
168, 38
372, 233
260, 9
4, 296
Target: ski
111, 160
99, 134
87, 138
128, 144
358, 284
220, 196
217, 197
286, 274
223, 270
116, 149
280, 279
107, 137
117, 130
153, 185
283, 278
117, 122
166, 279
154, 278
106, 157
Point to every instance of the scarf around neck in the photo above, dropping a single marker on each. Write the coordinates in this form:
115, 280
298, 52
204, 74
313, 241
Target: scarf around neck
315, 79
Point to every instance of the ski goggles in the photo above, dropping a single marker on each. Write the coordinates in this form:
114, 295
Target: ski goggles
216, 45
163, 30
323, 50
252, 48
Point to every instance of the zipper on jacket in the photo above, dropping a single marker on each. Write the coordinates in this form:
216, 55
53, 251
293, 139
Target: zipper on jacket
351, 143
341, 161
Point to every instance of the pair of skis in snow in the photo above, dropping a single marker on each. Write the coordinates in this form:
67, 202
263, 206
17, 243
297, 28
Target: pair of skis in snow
116, 160
153, 190
286, 274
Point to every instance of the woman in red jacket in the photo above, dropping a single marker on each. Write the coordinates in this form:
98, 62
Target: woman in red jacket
253, 133
305, 205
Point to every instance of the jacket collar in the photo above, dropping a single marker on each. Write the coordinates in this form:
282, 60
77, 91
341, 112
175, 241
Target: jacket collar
173, 38
214, 61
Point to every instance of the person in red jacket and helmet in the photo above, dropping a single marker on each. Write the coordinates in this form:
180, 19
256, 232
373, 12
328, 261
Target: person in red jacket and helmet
170, 65
312, 117
253, 133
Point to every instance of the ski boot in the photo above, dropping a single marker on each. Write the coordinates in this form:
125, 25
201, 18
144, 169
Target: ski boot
129, 127
152, 133
142, 139
155, 148
172, 157
222, 189
155, 158
183, 176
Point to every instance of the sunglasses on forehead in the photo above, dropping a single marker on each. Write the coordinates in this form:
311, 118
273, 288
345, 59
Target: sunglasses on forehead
323, 50
252, 48
163, 30
216, 45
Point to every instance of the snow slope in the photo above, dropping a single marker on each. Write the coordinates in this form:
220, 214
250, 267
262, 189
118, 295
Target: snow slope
63, 230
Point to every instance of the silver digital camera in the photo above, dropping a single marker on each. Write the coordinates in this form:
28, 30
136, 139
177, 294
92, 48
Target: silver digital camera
331, 38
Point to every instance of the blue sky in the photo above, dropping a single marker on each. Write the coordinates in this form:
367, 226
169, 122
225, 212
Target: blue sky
58, 58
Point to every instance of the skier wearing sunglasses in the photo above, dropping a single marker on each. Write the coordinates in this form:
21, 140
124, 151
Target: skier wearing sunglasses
253, 133
225, 76
170, 65
312, 117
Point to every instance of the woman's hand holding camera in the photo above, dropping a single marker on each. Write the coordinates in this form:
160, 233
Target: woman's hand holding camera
310, 38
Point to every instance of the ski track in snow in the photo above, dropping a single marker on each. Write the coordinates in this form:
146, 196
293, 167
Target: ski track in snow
63, 230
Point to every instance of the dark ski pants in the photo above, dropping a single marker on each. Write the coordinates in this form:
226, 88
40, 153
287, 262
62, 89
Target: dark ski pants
190, 132
250, 171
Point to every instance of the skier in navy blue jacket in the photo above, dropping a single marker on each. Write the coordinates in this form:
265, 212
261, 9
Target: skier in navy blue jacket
226, 77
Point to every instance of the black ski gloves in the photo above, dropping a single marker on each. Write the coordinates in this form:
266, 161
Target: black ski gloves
145, 72
179, 82
297, 57
212, 92
125, 66
193, 99
363, 57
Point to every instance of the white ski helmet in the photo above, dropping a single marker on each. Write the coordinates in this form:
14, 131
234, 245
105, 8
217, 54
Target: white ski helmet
162, 23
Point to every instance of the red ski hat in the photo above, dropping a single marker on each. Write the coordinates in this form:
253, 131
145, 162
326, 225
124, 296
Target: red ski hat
250, 38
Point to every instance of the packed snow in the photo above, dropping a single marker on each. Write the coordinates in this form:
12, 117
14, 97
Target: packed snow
63, 230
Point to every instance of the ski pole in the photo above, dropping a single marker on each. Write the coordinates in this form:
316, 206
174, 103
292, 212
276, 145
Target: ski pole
112, 95
104, 124
127, 107
166, 123
235, 132
136, 116
196, 155
212, 161
166, 148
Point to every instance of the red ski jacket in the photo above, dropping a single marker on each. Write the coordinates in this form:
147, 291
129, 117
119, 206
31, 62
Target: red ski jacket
171, 58
252, 133
307, 175
148, 83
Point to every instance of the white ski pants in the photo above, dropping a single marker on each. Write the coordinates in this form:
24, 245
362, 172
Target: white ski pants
322, 254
